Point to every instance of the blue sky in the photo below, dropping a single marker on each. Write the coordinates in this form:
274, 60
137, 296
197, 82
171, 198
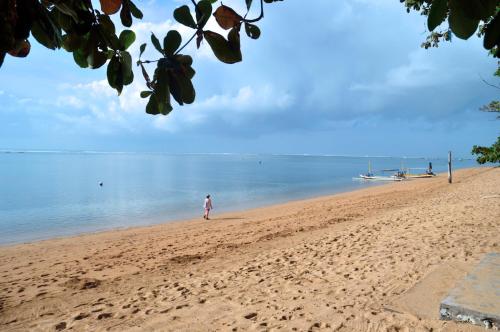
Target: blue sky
342, 77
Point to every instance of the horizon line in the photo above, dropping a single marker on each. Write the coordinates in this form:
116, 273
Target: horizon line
48, 151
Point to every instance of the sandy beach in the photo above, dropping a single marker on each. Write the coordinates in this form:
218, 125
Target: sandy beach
378, 259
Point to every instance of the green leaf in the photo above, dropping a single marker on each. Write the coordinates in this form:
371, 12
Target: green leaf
183, 16
114, 74
152, 106
479, 9
175, 88
166, 108
42, 36
135, 11
67, 9
96, 59
252, 31
184, 59
161, 86
249, 4
203, 12
80, 58
156, 43
234, 40
222, 48
107, 24
125, 15
189, 72
126, 66
161, 93
171, 42
146, 77
127, 38
62, 20
185, 62
108, 31
492, 33
114, 42
437, 13
83, 25
142, 49
462, 26
46, 30
72, 42
181, 87
145, 94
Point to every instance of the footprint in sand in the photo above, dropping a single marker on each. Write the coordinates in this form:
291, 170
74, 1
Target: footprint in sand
250, 315
81, 316
61, 326
105, 315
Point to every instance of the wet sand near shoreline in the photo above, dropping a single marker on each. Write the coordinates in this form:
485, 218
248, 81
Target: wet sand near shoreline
377, 259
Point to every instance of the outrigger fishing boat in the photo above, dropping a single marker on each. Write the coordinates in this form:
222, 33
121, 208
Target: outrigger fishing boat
428, 173
419, 176
398, 176
380, 178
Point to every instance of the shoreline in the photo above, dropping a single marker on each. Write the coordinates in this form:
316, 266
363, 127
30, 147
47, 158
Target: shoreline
351, 261
77, 206
222, 214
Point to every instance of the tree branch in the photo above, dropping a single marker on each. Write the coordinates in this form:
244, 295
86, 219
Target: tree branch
187, 43
261, 16
488, 83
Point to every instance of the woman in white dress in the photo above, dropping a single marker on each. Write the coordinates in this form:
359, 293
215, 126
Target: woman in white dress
207, 205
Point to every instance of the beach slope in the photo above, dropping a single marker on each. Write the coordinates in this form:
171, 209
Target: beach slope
378, 259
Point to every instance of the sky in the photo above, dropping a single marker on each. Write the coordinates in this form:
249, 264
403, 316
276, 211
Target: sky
345, 77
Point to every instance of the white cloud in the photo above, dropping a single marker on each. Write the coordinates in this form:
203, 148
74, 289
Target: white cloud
417, 73
97, 89
233, 108
130, 100
70, 101
83, 120
249, 100
100, 107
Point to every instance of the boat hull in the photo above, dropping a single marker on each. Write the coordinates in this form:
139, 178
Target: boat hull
419, 176
381, 178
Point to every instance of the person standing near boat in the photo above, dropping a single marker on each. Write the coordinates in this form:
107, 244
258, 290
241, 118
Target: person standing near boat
207, 205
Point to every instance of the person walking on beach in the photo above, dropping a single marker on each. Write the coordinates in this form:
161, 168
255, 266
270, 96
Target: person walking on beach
207, 205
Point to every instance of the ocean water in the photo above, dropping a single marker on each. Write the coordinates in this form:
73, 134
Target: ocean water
52, 194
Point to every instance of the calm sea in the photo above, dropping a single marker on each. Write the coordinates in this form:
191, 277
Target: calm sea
44, 195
